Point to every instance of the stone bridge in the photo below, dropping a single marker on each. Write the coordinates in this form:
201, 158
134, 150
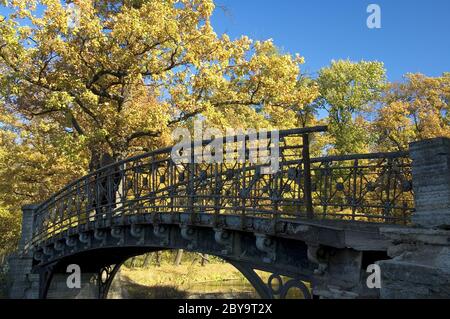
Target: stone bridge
315, 224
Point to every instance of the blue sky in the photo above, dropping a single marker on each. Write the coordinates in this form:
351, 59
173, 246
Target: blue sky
414, 37
415, 34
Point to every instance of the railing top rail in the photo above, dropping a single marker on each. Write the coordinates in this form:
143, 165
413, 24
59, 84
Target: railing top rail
339, 158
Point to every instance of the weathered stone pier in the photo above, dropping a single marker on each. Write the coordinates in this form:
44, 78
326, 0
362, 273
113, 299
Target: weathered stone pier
420, 264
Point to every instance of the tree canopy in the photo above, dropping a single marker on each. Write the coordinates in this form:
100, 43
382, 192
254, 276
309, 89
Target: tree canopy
414, 110
126, 70
348, 91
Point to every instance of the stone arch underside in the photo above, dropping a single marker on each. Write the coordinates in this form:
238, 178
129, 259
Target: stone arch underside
99, 251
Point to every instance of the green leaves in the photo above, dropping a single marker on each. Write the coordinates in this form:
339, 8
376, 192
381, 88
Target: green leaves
348, 91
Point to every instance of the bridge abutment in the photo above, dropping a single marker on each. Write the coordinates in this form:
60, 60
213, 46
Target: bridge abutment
59, 289
420, 264
431, 182
24, 284
340, 274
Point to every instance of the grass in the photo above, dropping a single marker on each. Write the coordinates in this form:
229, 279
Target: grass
183, 274
215, 279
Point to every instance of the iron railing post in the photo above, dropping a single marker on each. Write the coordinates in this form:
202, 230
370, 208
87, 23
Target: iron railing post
191, 182
307, 193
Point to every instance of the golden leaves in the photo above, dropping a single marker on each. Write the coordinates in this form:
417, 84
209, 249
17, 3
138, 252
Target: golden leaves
413, 110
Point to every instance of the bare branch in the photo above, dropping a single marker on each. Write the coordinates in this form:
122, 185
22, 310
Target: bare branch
185, 117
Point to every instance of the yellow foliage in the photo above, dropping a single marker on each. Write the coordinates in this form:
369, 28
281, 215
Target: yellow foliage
415, 110
117, 77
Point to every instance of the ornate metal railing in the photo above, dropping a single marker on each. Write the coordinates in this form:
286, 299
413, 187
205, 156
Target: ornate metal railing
371, 188
366, 187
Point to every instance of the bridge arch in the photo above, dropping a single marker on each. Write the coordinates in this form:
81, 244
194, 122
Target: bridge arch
247, 252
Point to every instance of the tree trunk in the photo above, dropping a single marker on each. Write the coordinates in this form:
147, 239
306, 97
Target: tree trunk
158, 258
132, 264
147, 259
178, 257
204, 260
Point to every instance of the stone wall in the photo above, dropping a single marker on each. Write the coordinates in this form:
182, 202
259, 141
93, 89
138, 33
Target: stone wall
420, 264
58, 288
420, 267
431, 182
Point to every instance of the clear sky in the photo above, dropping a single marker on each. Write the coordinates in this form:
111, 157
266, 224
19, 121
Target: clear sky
414, 34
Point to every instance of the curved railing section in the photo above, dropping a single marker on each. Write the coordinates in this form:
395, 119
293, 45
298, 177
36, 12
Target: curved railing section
367, 188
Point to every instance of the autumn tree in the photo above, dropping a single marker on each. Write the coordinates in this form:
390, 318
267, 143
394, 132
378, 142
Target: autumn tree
86, 71
416, 109
82, 78
348, 92
9, 219
36, 160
